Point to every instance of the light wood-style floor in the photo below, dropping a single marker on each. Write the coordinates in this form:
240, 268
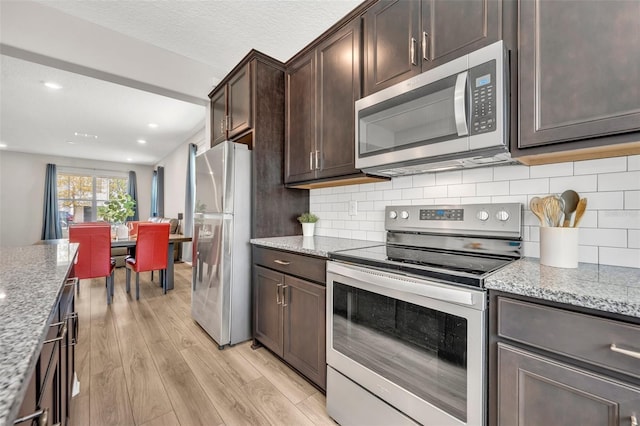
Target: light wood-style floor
148, 363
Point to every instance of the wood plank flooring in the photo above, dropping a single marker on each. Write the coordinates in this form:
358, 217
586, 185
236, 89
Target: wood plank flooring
147, 363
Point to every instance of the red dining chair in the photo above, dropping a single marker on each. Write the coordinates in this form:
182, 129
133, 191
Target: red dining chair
94, 254
152, 248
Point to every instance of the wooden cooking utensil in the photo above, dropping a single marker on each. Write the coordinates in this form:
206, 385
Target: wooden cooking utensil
580, 209
536, 208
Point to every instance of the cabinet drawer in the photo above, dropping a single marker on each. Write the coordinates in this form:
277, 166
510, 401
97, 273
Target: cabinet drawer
584, 337
311, 268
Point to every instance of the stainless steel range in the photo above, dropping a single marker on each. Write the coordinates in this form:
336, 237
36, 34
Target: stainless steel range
406, 330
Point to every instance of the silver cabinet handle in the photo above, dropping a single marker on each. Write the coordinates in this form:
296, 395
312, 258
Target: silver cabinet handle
310, 160
41, 415
284, 296
60, 337
634, 420
425, 46
459, 104
228, 122
282, 262
317, 156
71, 282
627, 352
278, 301
222, 125
413, 51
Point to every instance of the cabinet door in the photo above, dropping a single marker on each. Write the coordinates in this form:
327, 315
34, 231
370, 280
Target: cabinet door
267, 308
300, 120
579, 69
535, 390
239, 102
391, 43
338, 88
304, 328
451, 29
218, 116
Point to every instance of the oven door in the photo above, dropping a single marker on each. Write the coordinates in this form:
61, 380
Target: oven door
417, 345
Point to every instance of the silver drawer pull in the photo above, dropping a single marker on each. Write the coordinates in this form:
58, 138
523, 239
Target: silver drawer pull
41, 415
634, 420
71, 282
627, 352
282, 262
62, 335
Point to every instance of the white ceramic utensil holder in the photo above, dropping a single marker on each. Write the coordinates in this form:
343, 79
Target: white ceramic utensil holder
308, 229
559, 247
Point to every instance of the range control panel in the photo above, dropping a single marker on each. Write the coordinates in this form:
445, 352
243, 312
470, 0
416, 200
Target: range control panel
474, 219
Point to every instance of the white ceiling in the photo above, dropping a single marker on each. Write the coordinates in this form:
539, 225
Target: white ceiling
214, 33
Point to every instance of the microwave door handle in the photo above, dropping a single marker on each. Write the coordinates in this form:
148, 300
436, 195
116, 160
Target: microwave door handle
459, 104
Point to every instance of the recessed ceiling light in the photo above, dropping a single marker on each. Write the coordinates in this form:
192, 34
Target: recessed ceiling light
129, 159
85, 135
141, 141
52, 85
153, 125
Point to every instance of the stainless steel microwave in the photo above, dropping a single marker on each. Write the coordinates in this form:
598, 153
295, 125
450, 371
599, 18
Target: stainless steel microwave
452, 116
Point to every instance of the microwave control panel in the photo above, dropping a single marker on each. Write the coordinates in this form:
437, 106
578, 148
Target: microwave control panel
482, 80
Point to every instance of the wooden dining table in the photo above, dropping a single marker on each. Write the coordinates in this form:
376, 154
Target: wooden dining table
173, 239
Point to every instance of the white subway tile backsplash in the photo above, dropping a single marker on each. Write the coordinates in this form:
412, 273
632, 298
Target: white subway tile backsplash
601, 165
632, 200
510, 172
551, 170
604, 200
428, 179
610, 228
449, 178
402, 182
619, 219
527, 186
435, 191
619, 257
482, 174
587, 183
602, 237
619, 181
462, 190
492, 188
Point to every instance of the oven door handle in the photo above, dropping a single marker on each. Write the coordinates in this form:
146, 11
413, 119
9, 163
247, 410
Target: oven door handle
446, 293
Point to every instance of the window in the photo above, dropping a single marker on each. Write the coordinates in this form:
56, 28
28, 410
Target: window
80, 193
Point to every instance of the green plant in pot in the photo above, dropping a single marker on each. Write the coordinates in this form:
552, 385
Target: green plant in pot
117, 210
308, 221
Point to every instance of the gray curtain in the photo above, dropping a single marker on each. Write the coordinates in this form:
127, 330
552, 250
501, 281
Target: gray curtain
132, 190
154, 194
160, 192
51, 229
189, 201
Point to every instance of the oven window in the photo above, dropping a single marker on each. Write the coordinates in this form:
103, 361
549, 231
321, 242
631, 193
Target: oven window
421, 350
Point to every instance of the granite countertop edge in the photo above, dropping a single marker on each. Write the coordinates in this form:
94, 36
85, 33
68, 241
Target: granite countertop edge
314, 246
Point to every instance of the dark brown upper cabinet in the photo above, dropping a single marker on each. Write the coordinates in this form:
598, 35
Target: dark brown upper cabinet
404, 38
579, 69
231, 107
321, 89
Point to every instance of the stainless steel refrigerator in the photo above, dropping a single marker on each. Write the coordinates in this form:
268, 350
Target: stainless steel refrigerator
221, 278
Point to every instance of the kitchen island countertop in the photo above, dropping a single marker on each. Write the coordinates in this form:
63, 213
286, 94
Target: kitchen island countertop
31, 280
601, 287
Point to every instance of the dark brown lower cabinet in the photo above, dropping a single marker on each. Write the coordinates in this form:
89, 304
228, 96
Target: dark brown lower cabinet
536, 390
289, 314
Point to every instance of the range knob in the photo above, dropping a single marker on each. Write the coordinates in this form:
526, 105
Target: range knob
502, 215
393, 214
404, 214
482, 215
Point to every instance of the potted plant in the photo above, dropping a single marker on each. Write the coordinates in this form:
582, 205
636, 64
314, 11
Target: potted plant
116, 211
308, 221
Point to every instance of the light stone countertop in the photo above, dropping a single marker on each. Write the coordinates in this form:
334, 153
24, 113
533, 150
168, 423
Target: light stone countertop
31, 280
314, 246
605, 288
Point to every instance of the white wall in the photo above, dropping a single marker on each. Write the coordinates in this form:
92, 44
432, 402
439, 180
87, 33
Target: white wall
609, 231
22, 192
